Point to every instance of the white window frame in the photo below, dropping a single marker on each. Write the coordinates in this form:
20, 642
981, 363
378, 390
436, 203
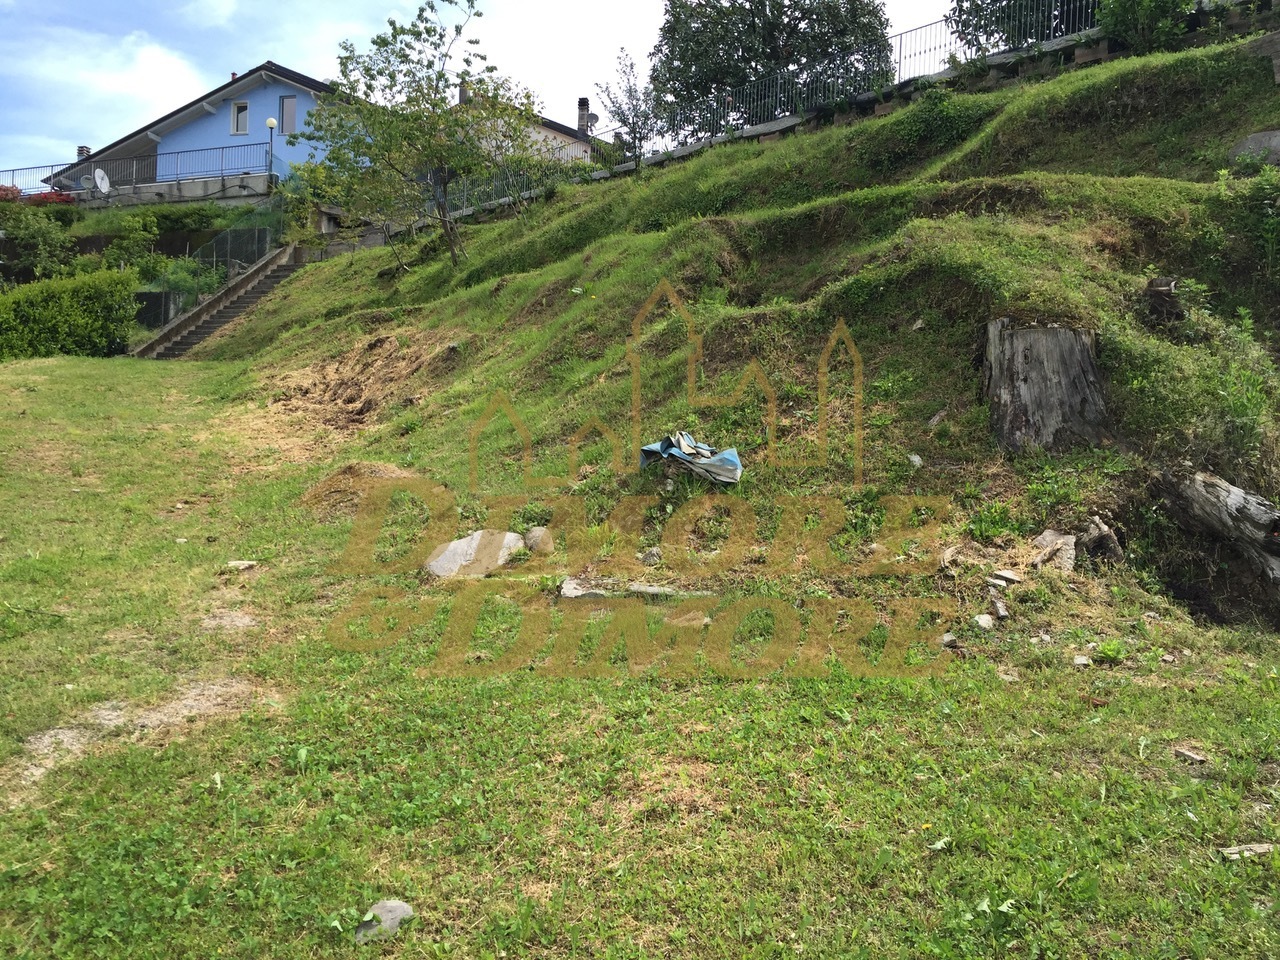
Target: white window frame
235, 113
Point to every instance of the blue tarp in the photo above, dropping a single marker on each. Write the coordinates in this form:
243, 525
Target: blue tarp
718, 466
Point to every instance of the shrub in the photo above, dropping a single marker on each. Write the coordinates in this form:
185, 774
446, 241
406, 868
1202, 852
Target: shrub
86, 316
9, 194
38, 246
1144, 26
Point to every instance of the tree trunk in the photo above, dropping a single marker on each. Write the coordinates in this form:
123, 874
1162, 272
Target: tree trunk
1043, 386
1207, 504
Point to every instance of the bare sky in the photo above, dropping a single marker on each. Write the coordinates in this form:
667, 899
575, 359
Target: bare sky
85, 72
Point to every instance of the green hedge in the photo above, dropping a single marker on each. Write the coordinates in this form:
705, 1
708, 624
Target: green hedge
89, 315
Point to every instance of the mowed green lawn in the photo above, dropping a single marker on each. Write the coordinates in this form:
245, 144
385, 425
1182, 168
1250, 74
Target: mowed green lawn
1042, 814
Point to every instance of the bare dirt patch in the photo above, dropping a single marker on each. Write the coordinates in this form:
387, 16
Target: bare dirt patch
338, 495
676, 787
349, 392
228, 620
194, 704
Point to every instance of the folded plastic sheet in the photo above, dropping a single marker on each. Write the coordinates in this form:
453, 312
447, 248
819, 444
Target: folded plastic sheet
718, 466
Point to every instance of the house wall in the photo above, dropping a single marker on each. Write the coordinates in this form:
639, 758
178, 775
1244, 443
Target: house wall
214, 130
565, 148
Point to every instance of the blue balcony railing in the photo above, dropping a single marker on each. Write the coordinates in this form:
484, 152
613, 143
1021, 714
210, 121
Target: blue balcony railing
242, 159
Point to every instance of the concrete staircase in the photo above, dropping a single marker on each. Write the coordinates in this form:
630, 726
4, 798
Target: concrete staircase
225, 314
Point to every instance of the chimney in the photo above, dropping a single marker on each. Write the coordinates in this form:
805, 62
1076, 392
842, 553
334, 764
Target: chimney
82, 152
234, 74
584, 111
464, 92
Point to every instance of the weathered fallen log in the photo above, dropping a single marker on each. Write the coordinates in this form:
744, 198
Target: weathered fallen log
1207, 504
1043, 386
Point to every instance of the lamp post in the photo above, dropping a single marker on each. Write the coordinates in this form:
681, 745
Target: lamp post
271, 152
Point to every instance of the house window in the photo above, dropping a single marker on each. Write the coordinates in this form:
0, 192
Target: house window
288, 114
239, 117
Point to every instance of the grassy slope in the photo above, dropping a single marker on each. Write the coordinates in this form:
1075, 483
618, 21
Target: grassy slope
651, 817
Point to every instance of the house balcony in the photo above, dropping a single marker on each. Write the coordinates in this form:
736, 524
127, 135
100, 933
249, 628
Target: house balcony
228, 174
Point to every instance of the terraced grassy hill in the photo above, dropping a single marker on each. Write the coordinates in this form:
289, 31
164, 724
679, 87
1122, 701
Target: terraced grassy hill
782, 756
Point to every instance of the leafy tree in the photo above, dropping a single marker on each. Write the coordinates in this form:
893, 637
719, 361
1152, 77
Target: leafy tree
633, 105
708, 48
990, 25
394, 137
36, 247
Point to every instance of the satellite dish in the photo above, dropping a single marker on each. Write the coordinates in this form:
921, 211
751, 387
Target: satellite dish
100, 178
86, 182
592, 119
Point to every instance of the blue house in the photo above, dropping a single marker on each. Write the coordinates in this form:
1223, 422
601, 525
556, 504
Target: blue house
220, 146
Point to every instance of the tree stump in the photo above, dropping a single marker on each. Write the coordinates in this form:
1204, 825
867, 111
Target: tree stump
1207, 504
1043, 386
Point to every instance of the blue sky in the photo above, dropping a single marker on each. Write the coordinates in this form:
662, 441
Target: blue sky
81, 72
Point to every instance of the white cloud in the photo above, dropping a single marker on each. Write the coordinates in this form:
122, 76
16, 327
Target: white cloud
111, 87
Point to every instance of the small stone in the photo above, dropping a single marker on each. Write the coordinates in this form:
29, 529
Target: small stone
540, 540
917, 461
573, 589
1009, 675
1008, 576
917, 326
995, 584
385, 918
1191, 756
937, 418
1247, 850
477, 555
242, 565
997, 605
985, 621
180, 540
651, 557
1168, 658
1081, 661
950, 641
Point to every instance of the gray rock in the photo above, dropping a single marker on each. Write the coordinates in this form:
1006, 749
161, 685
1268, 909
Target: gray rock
917, 461
985, 621
475, 556
540, 540
950, 641
1058, 548
1265, 146
242, 565
651, 557
385, 918
997, 605
1008, 576
1082, 661
572, 589
1190, 756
